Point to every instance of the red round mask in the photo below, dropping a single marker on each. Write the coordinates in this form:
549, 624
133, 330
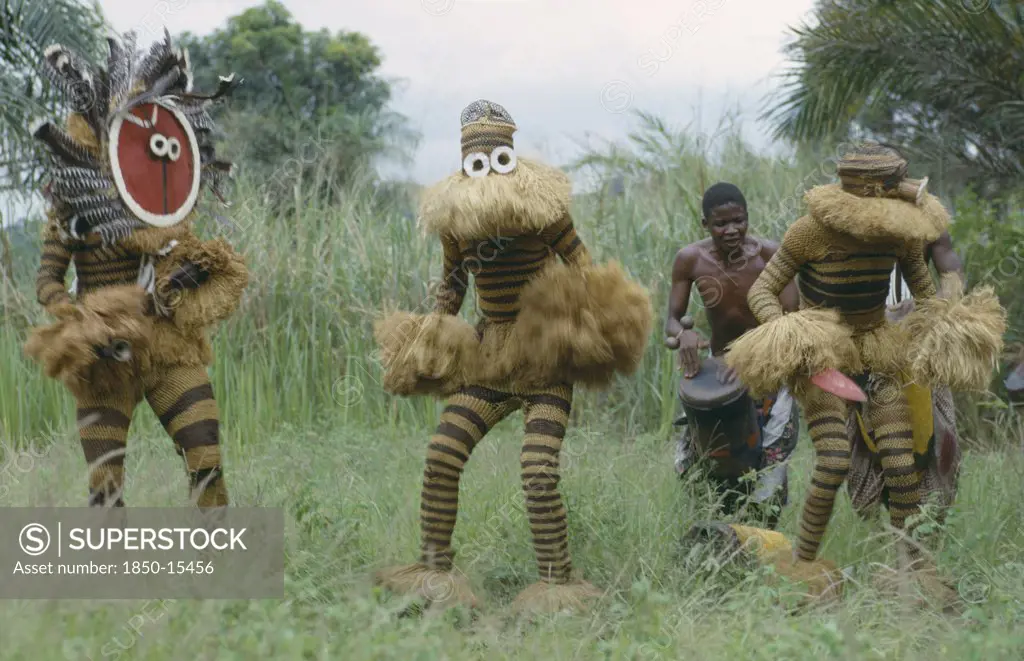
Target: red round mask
154, 158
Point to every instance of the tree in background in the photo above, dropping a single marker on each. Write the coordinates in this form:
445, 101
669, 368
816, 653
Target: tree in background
941, 79
311, 111
27, 27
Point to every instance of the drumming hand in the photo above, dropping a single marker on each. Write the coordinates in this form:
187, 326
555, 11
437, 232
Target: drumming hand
689, 344
726, 374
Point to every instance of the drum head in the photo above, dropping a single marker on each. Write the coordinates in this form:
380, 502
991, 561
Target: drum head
705, 391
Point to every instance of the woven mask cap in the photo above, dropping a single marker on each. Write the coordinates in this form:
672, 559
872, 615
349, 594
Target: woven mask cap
487, 143
874, 170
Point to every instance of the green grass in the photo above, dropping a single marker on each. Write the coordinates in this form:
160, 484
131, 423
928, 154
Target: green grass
627, 512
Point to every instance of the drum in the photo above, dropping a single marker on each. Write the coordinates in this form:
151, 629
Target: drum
723, 421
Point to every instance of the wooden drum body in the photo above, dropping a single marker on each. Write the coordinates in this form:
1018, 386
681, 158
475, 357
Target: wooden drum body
723, 421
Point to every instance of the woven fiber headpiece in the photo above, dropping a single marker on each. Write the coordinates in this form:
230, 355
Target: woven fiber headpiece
487, 128
139, 145
874, 170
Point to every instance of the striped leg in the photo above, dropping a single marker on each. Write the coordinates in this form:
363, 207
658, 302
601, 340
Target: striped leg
103, 424
182, 398
469, 415
826, 422
546, 416
889, 418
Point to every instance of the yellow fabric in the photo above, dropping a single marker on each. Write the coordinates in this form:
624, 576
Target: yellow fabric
766, 542
920, 400
865, 435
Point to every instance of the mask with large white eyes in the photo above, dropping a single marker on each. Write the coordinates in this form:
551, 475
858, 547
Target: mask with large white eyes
155, 162
476, 164
503, 160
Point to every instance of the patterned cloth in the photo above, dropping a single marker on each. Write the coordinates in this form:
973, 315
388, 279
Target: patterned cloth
939, 463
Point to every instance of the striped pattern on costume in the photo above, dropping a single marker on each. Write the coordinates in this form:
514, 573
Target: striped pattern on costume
96, 267
837, 271
182, 398
103, 424
468, 417
53, 267
503, 266
485, 137
857, 285
826, 423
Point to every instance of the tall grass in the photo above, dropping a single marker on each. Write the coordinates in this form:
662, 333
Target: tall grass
299, 351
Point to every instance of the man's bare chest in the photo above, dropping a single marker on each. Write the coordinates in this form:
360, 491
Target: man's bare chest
731, 280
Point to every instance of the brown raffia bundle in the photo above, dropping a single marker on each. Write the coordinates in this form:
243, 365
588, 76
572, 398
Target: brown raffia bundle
425, 354
957, 339
580, 324
798, 344
218, 297
68, 349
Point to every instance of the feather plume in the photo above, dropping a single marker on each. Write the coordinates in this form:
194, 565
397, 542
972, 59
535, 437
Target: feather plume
66, 70
87, 201
118, 73
159, 88
101, 215
200, 120
71, 181
76, 79
160, 58
63, 146
225, 86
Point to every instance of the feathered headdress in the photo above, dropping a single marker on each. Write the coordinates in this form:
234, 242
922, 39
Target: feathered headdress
138, 146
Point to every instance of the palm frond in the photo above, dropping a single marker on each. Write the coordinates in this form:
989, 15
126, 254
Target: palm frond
948, 80
27, 28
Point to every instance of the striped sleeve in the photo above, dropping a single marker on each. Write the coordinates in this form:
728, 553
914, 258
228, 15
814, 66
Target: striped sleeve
454, 280
915, 272
53, 267
763, 297
567, 244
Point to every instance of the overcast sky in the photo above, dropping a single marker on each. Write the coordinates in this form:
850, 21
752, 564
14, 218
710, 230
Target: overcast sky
566, 70
562, 68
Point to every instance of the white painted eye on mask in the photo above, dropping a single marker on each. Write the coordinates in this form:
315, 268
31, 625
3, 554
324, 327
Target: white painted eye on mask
173, 149
158, 145
476, 164
503, 160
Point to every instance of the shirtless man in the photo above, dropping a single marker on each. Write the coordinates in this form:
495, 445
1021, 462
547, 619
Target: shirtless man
723, 267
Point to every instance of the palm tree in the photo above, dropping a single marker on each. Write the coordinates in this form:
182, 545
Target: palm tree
943, 79
27, 27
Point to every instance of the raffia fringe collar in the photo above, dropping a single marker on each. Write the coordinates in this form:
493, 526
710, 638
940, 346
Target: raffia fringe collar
530, 198
875, 218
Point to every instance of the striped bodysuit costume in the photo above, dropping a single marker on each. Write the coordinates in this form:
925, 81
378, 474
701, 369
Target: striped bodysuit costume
504, 222
125, 178
475, 410
842, 254
838, 272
